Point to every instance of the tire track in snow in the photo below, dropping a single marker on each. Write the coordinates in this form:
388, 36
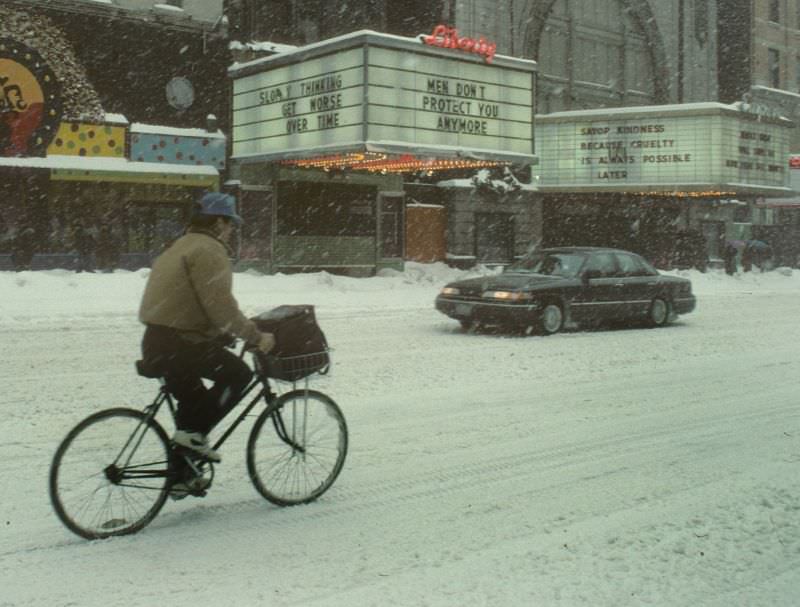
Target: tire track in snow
421, 486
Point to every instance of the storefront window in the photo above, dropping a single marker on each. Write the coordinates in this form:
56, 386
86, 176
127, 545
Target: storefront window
775, 11
712, 232
741, 214
149, 228
322, 209
13, 215
774, 65
255, 208
797, 71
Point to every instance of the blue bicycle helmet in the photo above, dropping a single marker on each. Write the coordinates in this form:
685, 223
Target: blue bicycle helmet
218, 204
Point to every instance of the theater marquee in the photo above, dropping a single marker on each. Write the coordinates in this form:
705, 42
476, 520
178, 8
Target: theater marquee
377, 94
697, 146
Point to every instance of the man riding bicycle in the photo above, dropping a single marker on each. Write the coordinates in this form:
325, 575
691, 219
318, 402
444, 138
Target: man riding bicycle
188, 309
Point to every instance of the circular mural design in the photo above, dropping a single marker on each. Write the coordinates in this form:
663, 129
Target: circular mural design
30, 101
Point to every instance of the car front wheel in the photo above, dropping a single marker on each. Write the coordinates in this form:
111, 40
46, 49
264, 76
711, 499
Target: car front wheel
551, 319
659, 312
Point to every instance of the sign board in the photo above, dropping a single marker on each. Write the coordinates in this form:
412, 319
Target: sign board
310, 104
30, 101
377, 92
794, 173
684, 147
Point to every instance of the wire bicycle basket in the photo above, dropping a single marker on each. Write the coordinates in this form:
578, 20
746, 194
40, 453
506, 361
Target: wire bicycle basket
294, 368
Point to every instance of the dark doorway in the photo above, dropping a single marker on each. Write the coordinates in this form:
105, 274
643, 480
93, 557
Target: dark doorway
392, 229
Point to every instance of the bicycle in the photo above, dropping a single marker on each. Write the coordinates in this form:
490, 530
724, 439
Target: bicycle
113, 472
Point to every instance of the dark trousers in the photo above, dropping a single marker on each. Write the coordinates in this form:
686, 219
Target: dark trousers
85, 262
185, 364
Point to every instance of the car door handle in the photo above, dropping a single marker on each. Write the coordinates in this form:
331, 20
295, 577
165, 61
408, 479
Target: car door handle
620, 284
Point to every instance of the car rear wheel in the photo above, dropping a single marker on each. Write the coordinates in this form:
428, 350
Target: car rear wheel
551, 319
659, 312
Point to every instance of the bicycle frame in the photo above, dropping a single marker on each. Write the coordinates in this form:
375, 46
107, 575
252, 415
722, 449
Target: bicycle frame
118, 473
164, 396
264, 392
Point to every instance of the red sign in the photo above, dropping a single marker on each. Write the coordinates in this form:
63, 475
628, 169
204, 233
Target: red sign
447, 37
30, 101
794, 162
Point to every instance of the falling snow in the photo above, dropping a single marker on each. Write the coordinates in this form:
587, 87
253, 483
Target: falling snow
605, 468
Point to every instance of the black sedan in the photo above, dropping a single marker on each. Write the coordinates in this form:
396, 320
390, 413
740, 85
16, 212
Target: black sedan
572, 286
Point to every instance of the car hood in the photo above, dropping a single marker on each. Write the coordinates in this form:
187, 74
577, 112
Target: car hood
507, 282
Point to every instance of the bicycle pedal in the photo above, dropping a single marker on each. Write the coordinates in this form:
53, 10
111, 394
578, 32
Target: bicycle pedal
182, 494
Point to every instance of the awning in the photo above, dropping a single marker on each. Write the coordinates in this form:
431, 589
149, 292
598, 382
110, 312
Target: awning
391, 157
780, 203
117, 170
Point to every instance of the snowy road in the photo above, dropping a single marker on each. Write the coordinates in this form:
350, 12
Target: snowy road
615, 467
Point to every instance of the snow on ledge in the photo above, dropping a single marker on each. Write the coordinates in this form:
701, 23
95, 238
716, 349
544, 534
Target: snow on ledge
768, 89
423, 205
104, 163
112, 118
168, 8
154, 129
263, 46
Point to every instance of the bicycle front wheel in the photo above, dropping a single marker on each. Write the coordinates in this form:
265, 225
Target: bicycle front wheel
297, 448
110, 475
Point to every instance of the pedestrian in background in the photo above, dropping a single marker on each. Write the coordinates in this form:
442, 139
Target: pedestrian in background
747, 257
729, 255
84, 243
108, 249
23, 248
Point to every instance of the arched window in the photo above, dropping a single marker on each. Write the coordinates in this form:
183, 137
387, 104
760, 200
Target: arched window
593, 54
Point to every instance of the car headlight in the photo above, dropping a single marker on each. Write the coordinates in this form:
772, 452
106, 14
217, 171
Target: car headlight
451, 291
507, 295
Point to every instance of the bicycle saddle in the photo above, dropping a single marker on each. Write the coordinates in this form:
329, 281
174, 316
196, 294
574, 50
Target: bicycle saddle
146, 369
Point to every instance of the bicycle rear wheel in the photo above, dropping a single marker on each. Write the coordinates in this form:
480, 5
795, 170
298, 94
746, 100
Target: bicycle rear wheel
301, 457
111, 474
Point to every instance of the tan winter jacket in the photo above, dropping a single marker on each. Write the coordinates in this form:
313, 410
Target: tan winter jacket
189, 289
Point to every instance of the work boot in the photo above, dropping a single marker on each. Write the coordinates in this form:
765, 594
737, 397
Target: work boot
197, 442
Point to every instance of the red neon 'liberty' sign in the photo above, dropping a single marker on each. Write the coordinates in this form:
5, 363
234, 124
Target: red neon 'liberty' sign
447, 37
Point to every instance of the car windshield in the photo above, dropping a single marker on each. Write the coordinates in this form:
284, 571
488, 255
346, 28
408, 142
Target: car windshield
565, 265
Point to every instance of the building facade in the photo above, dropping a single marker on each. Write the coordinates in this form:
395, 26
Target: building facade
759, 56
154, 65
759, 52
104, 125
600, 54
